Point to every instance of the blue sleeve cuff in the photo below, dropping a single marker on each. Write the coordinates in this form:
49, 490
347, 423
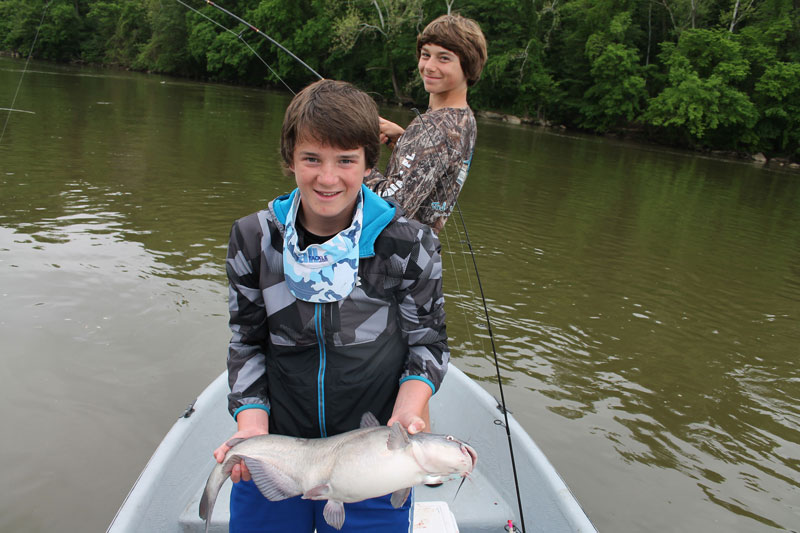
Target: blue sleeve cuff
420, 378
250, 406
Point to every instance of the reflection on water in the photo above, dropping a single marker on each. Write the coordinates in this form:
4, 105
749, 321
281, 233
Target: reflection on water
644, 304
655, 299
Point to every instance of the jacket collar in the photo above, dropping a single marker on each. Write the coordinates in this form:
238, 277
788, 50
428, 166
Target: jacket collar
377, 215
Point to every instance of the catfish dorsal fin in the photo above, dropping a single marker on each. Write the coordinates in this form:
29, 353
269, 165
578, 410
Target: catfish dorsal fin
398, 437
233, 442
368, 420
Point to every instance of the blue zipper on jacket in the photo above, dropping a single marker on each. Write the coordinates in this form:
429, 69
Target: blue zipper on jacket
319, 312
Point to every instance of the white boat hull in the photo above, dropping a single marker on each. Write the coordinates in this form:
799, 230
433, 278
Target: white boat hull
166, 496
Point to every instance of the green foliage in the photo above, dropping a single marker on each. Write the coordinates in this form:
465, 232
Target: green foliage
618, 91
61, 32
716, 74
102, 22
18, 22
166, 49
778, 93
116, 32
705, 68
516, 72
389, 22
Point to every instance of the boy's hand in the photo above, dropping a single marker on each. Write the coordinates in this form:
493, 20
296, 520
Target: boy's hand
239, 471
252, 422
390, 131
411, 406
412, 423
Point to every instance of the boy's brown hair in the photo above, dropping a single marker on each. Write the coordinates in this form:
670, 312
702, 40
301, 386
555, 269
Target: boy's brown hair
460, 35
334, 113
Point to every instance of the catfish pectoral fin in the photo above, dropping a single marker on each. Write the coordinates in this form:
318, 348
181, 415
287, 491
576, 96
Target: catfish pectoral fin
274, 484
334, 514
399, 497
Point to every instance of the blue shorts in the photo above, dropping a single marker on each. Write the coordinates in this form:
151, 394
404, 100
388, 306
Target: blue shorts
251, 512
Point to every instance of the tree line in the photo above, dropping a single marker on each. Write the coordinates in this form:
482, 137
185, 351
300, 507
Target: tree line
705, 74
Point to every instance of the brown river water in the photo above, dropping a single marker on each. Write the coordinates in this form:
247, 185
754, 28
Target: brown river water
645, 302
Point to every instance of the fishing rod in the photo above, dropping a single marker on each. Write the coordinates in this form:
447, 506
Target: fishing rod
456, 207
24, 70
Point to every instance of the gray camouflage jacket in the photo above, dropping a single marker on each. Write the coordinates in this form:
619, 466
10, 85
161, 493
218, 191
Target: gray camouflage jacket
316, 368
429, 165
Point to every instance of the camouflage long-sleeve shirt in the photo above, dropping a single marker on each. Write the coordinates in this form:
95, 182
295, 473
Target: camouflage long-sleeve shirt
429, 165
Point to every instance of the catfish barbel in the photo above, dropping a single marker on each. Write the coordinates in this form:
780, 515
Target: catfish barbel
364, 463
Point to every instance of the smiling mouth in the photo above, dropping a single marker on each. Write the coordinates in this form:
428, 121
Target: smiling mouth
327, 194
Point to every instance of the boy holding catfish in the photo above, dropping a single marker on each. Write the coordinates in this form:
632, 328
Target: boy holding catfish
336, 307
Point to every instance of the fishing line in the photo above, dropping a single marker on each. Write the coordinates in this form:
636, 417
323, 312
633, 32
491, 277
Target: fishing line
468, 242
252, 27
454, 208
238, 36
261, 33
24, 70
447, 235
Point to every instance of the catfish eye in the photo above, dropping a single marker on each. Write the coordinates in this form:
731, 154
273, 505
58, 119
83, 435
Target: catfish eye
450, 437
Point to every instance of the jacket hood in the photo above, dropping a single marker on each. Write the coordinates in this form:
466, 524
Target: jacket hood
377, 215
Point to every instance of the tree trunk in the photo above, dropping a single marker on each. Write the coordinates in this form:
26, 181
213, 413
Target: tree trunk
649, 32
398, 92
735, 13
671, 16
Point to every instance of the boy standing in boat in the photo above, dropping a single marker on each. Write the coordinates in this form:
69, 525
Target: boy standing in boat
431, 158
336, 307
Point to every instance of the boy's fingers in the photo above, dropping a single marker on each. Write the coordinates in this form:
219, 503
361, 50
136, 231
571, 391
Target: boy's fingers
239, 472
416, 426
219, 453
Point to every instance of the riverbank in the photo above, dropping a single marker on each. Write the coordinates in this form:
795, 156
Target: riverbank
636, 135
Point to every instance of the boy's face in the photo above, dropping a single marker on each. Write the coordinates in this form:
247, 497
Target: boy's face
440, 69
329, 180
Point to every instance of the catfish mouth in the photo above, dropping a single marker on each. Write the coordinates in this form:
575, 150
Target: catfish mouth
468, 451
